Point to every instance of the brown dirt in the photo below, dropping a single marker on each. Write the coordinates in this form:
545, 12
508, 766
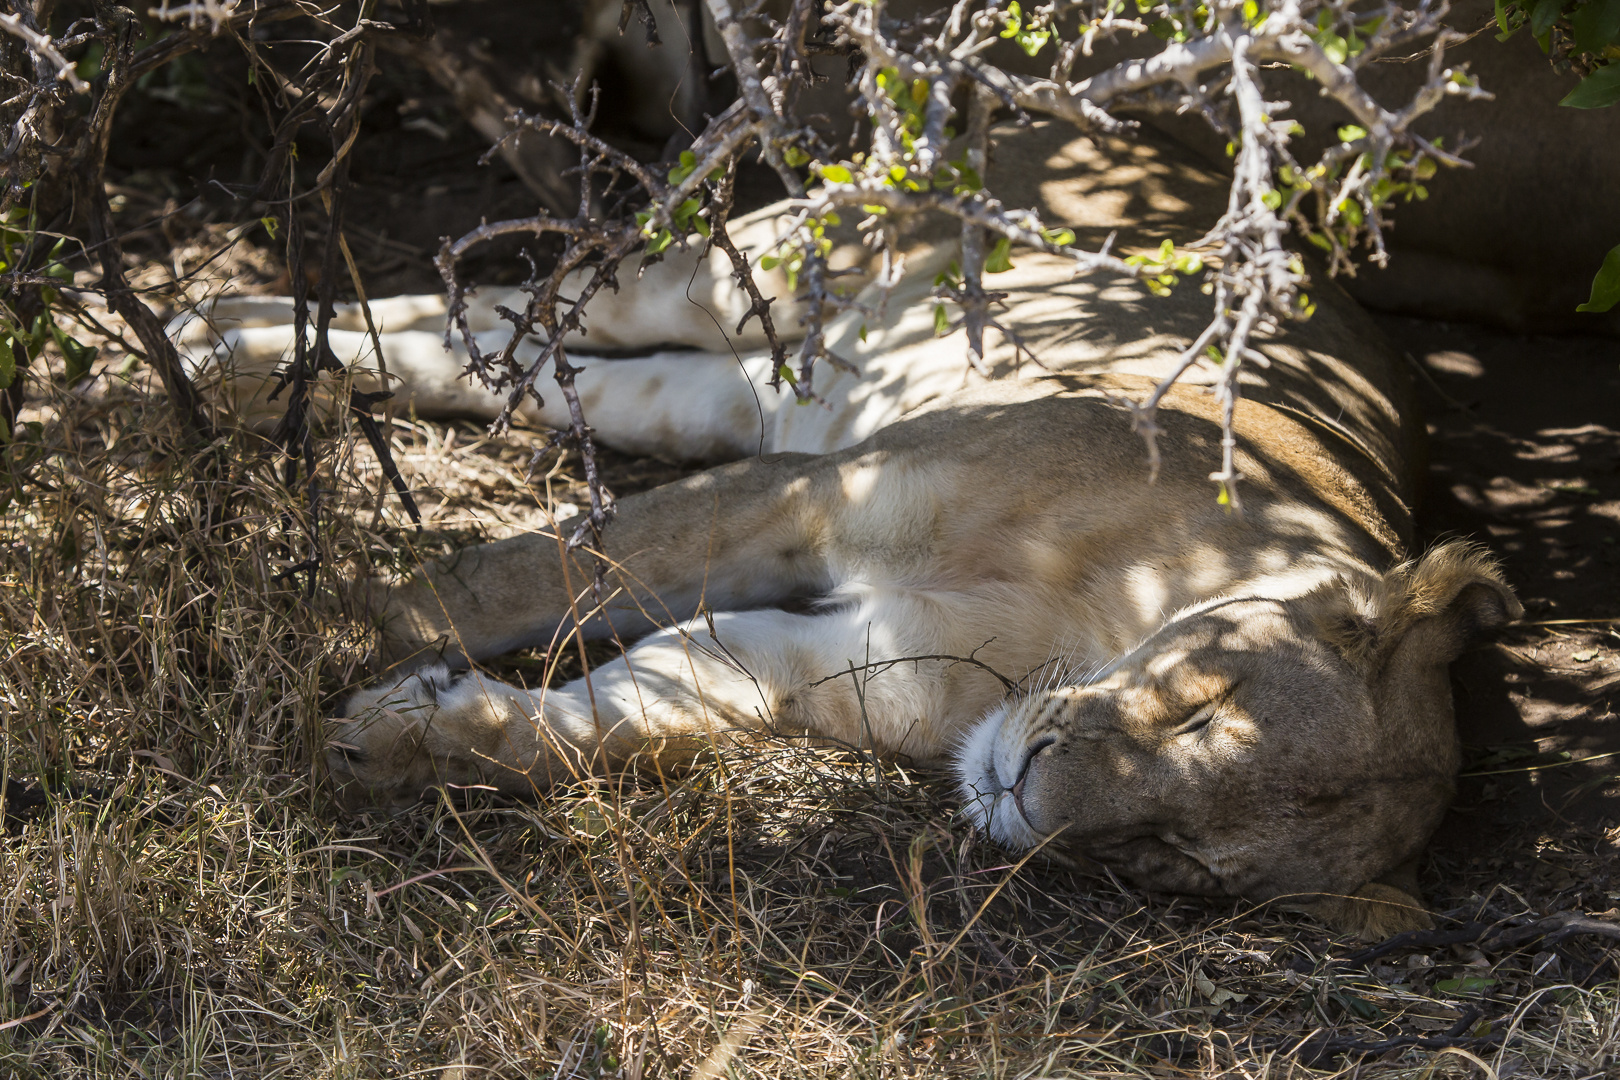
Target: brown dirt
1525, 457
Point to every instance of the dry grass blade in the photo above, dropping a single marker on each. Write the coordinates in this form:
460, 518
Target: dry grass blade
179, 899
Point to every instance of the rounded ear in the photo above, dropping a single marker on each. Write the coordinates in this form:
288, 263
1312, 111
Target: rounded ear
1455, 593
1446, 599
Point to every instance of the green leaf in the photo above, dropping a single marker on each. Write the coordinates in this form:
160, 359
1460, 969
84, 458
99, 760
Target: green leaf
787, 375
1502, 21
1606, 285
1596, 25
1015, 19
1597, 91
660, 241
8, 363
54, 267
1333, 45
79, 356
1543, 15
836, 174
998, 262
1350, 133
1032, 41
942, 321
680, 172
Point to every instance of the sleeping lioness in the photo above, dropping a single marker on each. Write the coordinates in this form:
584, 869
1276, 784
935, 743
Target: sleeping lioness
1250, 704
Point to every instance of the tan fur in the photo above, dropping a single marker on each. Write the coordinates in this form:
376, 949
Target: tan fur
1012, 521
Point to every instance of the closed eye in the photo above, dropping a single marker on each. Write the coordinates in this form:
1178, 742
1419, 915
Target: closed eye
1198, 720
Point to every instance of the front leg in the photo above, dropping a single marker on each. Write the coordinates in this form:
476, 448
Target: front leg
678, 693
739, 536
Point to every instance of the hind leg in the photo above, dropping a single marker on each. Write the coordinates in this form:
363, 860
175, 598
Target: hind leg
687, 298
687, 406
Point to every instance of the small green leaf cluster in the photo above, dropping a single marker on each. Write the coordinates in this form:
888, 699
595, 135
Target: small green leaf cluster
1181, 22
687, 218
910, 100
1583, 37
19, 345
1031, 34
1340, 47
1402, 178
1164, 268
792, 256
1579, 35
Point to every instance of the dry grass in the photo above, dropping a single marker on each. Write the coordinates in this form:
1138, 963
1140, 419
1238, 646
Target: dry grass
179, 899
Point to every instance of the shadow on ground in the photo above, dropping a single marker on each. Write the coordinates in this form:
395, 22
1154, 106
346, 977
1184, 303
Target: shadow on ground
1525, 456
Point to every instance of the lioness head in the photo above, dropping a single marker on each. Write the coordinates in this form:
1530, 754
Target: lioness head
1251, 746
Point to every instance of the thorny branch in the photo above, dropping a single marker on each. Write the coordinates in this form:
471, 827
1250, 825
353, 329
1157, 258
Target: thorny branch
918, 78
17, 24
53, 190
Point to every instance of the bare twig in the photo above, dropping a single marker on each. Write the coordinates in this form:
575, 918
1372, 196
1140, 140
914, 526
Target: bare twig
66, 70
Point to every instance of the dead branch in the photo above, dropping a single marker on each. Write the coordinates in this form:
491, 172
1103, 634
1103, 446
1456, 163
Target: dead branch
17, 24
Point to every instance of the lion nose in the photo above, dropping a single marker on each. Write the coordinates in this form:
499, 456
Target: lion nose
1023, 772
